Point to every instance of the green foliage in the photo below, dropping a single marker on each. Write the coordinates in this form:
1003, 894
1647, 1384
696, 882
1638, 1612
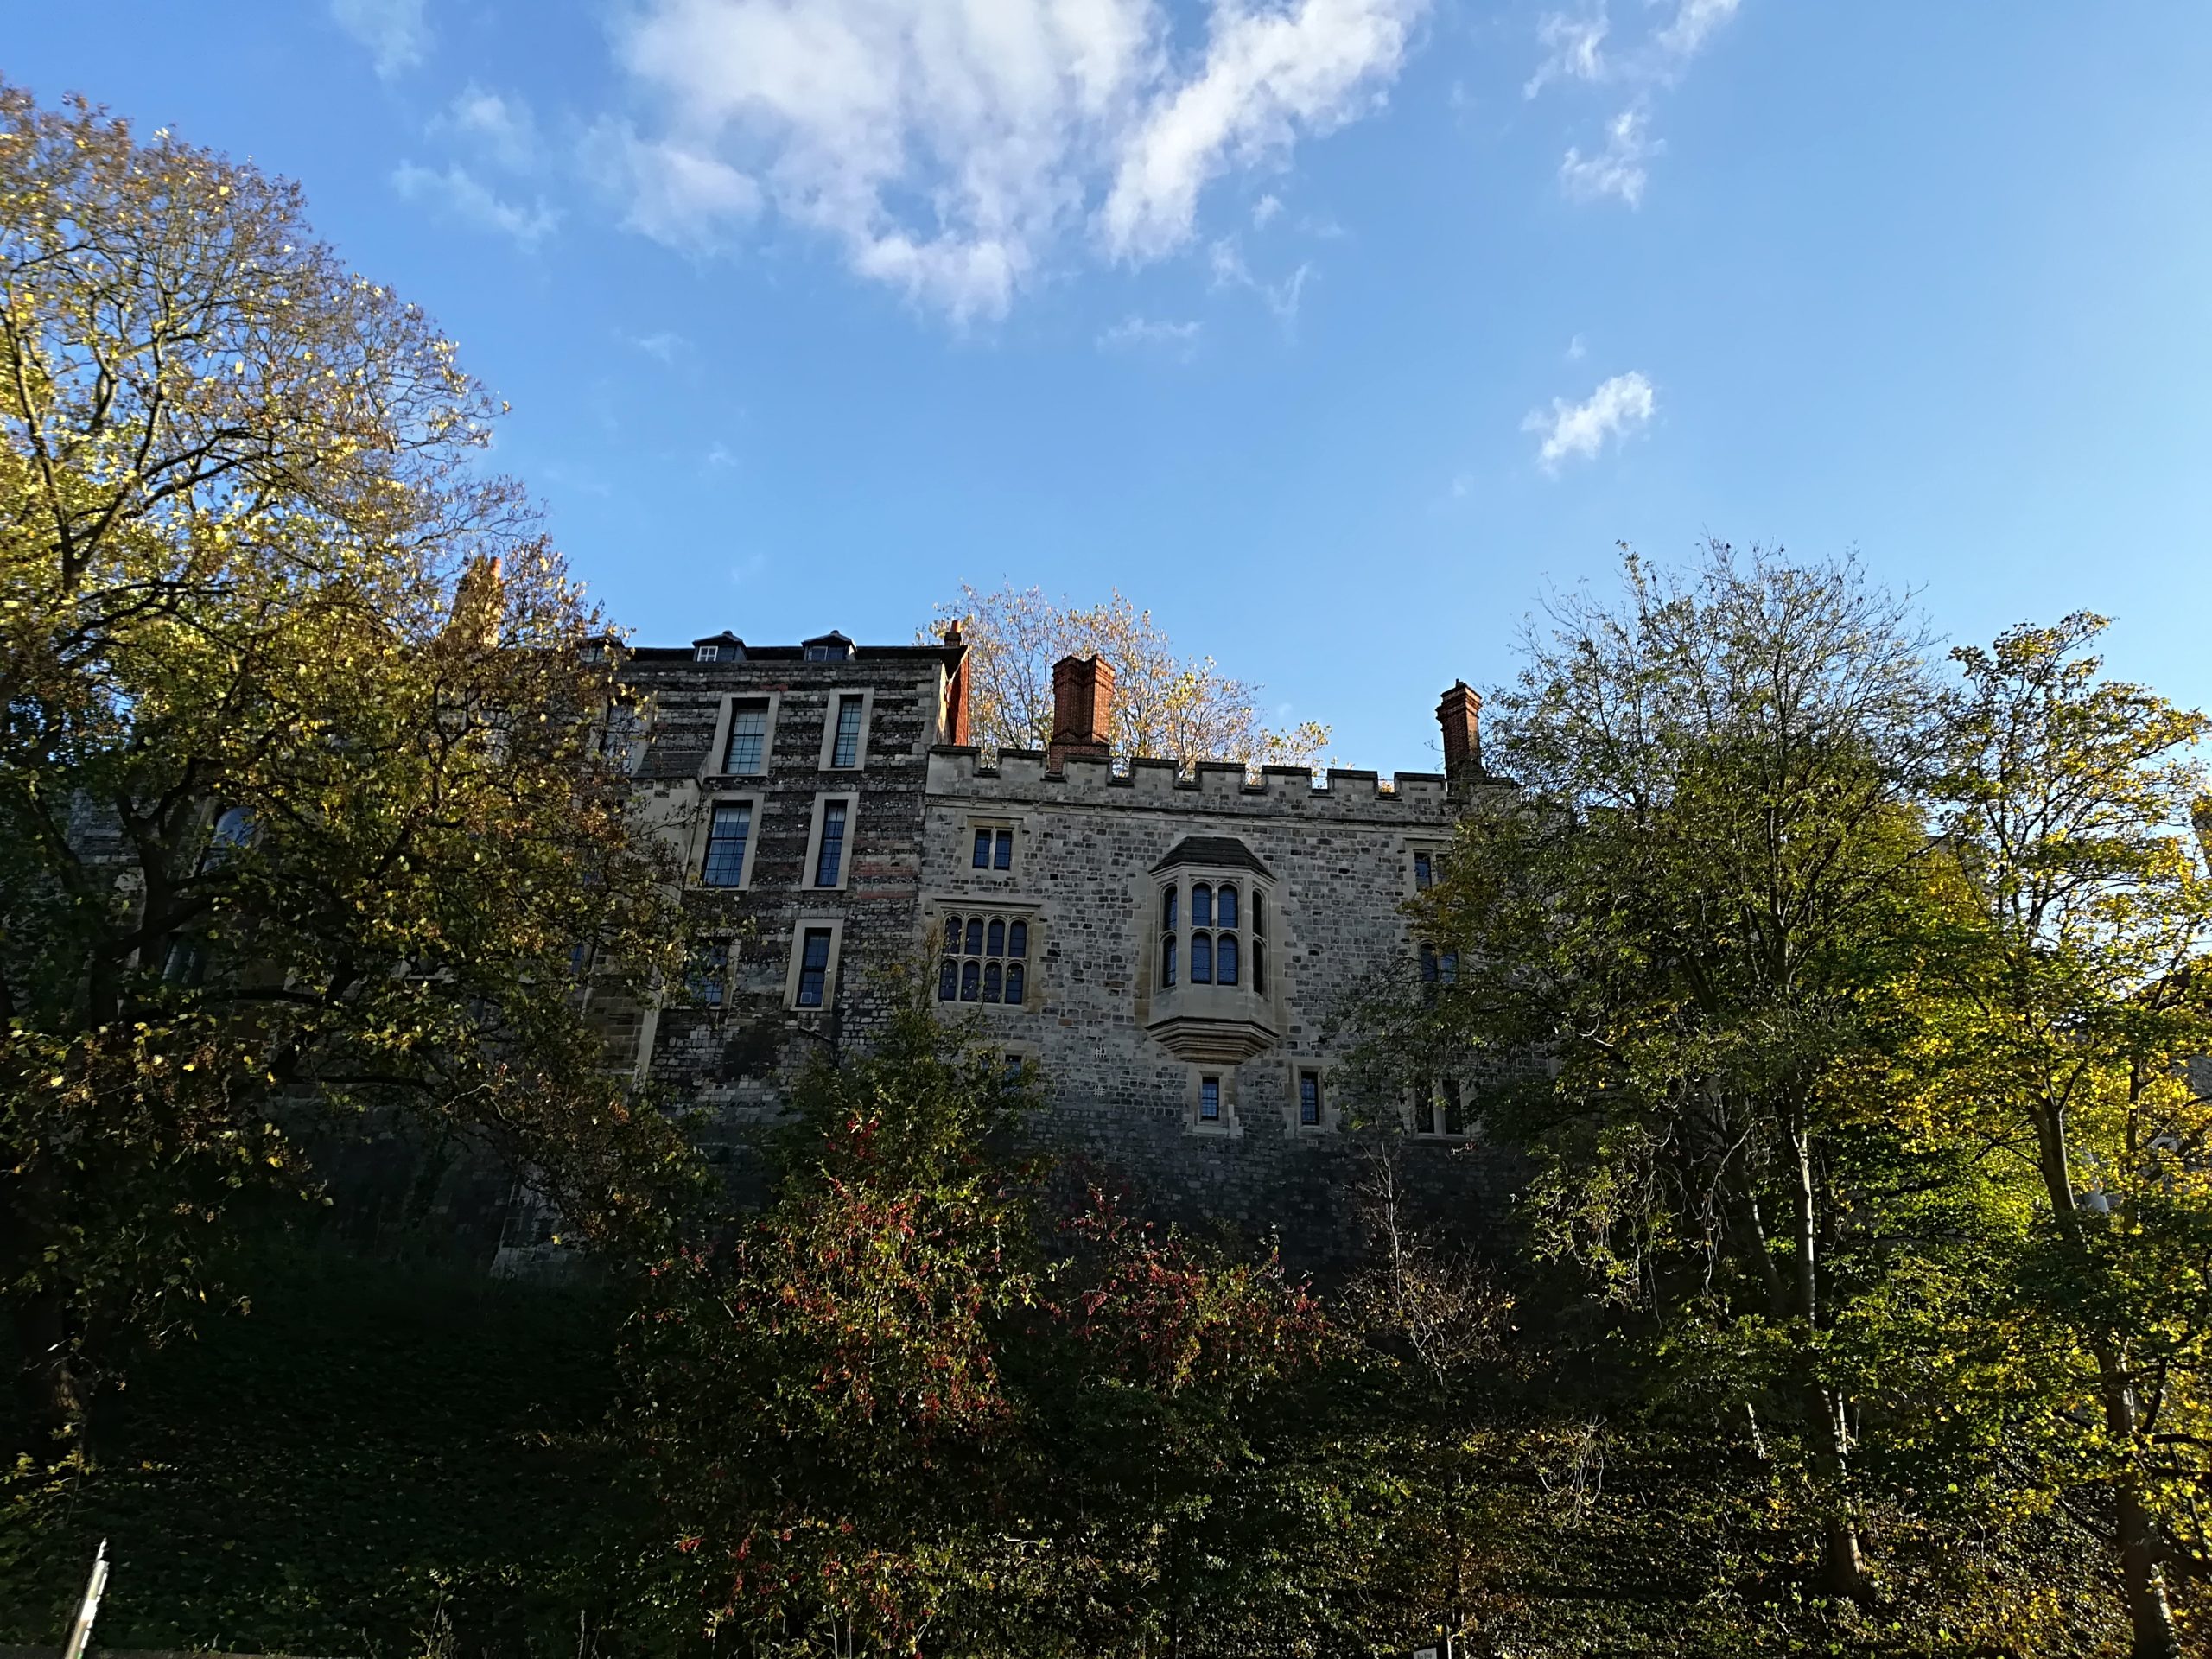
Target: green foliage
300, 801
366, 1451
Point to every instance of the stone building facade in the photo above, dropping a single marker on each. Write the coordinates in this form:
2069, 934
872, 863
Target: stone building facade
1165, 950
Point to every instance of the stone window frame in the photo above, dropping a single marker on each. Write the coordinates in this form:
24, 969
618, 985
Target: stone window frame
827, 753
1229, 1124
987, 910
1324, 1071
994, 822
808, 870
1409, 1109
1025, 1052
707, 981
718, 751
1436, 849
801, 927
1255, 892
695, 863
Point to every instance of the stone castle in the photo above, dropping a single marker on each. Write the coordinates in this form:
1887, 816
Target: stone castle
1165, 950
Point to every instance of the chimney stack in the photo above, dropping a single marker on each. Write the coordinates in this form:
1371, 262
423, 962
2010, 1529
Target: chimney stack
955, 691
1460, 715
1082, 710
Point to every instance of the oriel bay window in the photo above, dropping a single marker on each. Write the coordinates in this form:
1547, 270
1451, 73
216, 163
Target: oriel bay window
1208, 994
984, 958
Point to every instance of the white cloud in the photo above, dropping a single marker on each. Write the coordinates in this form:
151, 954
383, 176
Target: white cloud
1622, 405
1133, 334
1265, 209
679, 195
460, 193
501, 129
1226, 260
1267, 74
1617, 171
393, 31
1693, 24
951, 148
661, 346
1576, 350
1573, 49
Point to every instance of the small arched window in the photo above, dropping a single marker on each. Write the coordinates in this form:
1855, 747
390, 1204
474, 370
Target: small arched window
233, 830
997, 946
1015, 976
1167, 911
1225, 907
974, 936
1017, 939
971, 979
1167, 961
952, 935
1224, 959
1447, 967
1428, 964
948, 980
1201, 905
992, 982
1259, 962
1201, 954
1260, 913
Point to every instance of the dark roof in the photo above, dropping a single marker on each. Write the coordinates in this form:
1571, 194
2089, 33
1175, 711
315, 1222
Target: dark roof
1222, 851
797, 653
725, 638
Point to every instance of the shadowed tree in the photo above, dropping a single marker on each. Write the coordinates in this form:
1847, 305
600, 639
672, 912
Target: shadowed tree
300, 800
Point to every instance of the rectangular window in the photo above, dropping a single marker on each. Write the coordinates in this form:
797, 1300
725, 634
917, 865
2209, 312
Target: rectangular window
982, 849
1424, 871
728, 832
1309, 1098
813, 967
710, 973
829, 859
1210, 1100
708, 653
1002, 850
747, 749
845, 747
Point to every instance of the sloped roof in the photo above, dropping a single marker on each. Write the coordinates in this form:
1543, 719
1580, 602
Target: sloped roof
1222, 852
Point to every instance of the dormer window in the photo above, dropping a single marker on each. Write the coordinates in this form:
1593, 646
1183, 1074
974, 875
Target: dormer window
724, 647
831, 647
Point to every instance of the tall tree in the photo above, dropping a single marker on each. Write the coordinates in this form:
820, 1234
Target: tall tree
1690, 915
1165, 705
2085, 1015
299, 799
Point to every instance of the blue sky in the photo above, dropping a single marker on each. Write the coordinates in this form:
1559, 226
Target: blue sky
1332, 330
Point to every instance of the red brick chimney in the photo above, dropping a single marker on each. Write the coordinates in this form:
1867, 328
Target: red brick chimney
1460, 715
1083, 709
956, 692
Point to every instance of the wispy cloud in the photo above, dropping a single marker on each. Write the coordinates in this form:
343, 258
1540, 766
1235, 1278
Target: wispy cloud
1573, 49
456, 190
1179, 340
1265, 209
952, 150
662, 346
1576, 350
395, 31
1226, 260
1693, 24
501, 130
678, 195
1621, 406
1619, 170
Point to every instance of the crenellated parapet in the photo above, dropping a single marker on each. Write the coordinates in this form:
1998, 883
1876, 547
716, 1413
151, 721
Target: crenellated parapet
1023, 776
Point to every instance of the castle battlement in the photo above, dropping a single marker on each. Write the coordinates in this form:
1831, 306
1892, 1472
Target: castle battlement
1024, 776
